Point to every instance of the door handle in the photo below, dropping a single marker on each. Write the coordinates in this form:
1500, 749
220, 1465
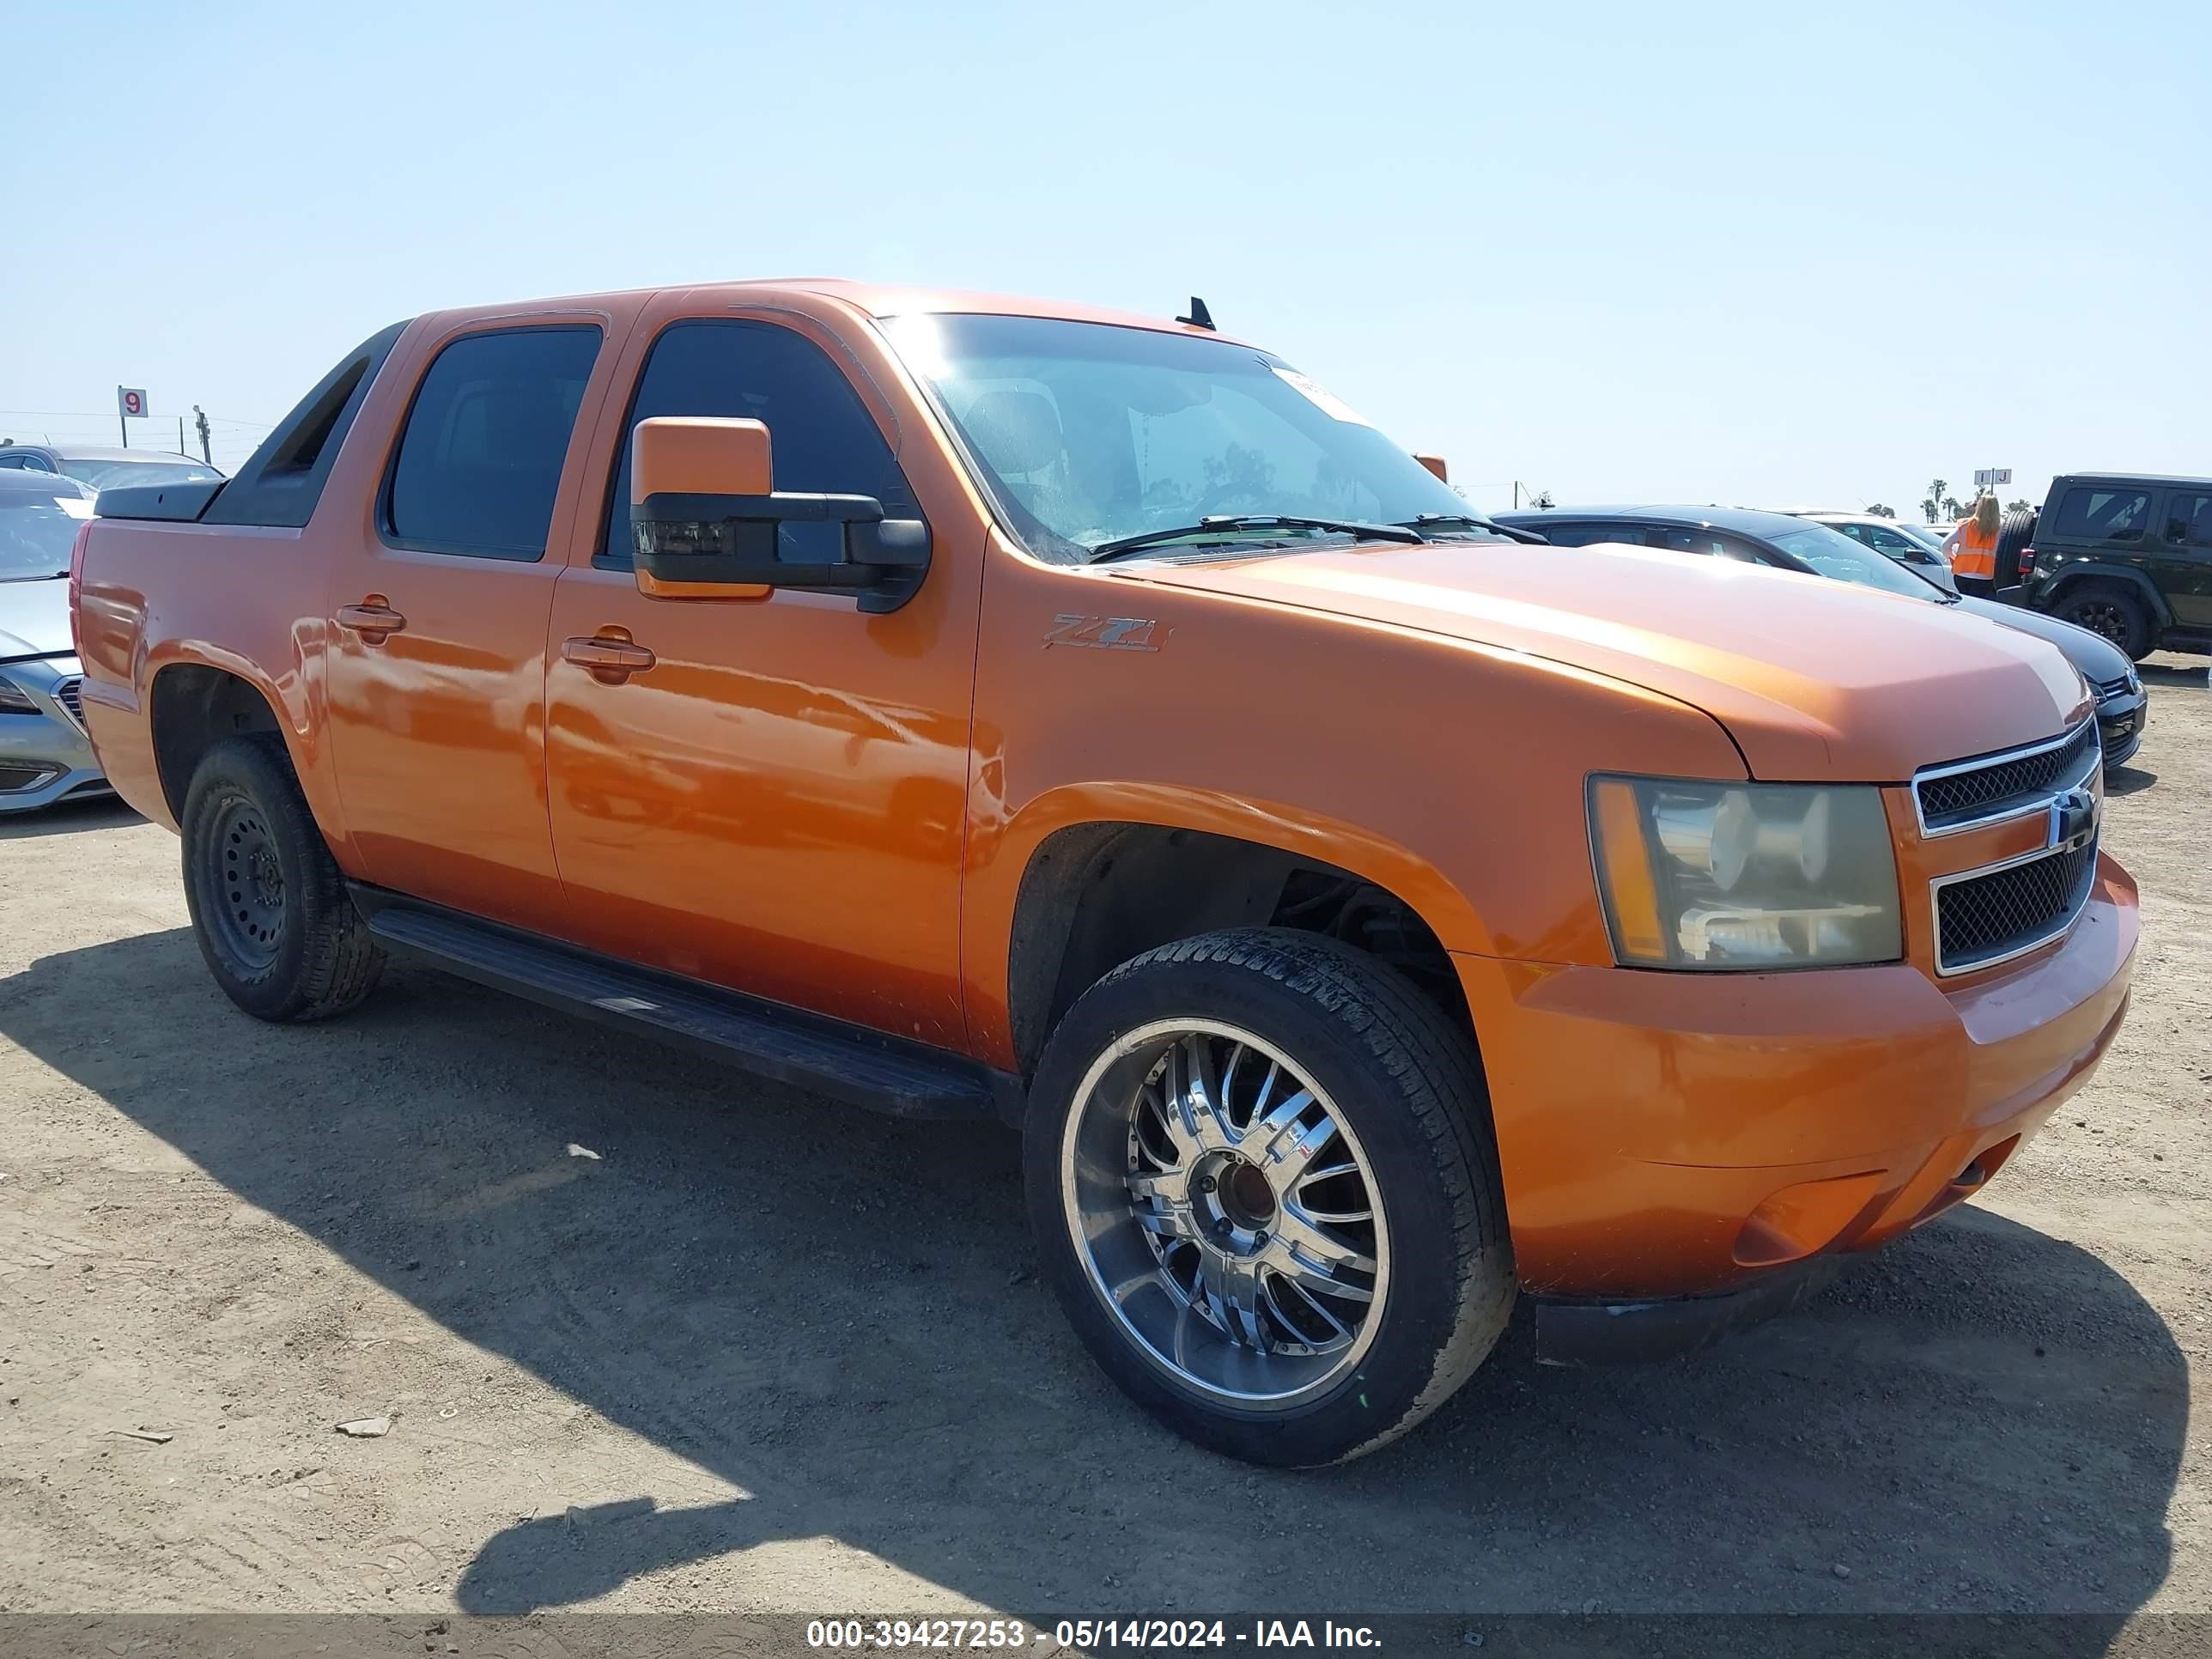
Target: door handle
611, 657
373, 619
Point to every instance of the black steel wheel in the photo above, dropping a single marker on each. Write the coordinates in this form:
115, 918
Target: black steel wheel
268, 907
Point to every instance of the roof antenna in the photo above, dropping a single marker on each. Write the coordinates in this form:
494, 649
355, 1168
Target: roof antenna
1200, 316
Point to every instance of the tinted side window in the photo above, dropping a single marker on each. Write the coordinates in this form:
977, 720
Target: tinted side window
2189, 519
1687, 541
2101, 514
821, 437
480, 459
1589, 535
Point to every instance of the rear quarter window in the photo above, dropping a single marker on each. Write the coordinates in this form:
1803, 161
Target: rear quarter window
2103, 512
2189, 518
480, 459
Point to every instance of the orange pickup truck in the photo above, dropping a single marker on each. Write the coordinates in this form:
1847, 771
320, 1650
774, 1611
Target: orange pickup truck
973, 708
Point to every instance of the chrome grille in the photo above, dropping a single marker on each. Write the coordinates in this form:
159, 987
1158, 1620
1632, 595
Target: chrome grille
1973, 792
2108, 689
70, 694
1984, 918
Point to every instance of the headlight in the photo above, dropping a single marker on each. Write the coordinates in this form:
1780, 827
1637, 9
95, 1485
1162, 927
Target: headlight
13, 700
1747, 876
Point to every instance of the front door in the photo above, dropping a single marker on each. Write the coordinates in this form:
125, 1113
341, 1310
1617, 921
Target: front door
438, 613
776, 802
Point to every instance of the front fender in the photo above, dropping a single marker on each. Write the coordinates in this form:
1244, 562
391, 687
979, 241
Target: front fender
1001, 858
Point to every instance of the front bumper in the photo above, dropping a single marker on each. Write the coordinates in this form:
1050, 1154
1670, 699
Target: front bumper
1671, 1134
45, 756
2120, 722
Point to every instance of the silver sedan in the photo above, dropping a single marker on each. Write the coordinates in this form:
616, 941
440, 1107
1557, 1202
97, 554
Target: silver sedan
43, 754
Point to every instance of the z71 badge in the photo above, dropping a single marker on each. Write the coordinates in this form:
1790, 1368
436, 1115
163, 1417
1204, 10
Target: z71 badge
1102, 633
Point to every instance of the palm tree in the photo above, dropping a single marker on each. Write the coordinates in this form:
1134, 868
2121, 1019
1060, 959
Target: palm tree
1934, 504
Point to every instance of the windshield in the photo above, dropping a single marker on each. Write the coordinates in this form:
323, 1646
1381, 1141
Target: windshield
107, 475
1086, 433
37, 532
1831, 553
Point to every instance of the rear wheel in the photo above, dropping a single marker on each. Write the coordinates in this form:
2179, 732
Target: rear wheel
268, 907
2115, 611
1259, 1169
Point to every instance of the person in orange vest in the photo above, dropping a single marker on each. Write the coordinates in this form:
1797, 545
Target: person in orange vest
1974, 565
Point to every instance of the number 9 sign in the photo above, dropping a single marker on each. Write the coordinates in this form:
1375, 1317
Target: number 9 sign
130, 401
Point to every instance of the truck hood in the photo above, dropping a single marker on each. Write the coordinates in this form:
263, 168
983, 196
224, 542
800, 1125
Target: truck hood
1814, 679
34, 618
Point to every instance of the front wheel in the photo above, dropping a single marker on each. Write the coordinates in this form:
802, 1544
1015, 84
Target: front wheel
1260, 1170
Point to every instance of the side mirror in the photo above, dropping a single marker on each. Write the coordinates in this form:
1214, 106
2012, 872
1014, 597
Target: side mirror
1436, 464
704, 515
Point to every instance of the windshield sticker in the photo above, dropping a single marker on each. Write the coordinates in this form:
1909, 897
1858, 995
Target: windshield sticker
1329, 405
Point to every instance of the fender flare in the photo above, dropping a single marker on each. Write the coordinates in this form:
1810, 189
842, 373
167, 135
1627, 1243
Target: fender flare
2077, 571
1001, 858
306, 745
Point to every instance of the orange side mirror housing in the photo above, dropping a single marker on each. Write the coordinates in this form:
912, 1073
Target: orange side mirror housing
698, 455
707, 520
1436, 464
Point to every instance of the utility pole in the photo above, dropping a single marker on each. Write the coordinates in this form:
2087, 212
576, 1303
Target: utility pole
181, 450
206, 454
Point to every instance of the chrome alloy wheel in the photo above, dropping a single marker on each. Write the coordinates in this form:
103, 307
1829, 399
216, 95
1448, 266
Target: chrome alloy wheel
1226, 1212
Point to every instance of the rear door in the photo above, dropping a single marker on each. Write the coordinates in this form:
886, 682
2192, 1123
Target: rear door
2184, 556
438, 611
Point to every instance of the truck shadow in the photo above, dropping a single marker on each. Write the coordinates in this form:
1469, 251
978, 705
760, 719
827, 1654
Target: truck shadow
835, 1314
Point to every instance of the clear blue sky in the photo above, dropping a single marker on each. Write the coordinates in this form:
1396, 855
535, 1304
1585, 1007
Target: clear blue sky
1762, 254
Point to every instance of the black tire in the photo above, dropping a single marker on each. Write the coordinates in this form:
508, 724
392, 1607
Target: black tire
1410, 1086
2015, 535
301, 954
2113, 611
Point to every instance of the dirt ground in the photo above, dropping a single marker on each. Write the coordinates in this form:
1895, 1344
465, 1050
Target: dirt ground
760, 1353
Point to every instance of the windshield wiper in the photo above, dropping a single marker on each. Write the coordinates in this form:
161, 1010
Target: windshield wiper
1228, 522
1438, 520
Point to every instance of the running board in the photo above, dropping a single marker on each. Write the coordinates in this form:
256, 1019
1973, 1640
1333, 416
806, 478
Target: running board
808, 1051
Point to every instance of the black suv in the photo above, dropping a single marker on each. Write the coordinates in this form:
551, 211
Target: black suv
2128, 555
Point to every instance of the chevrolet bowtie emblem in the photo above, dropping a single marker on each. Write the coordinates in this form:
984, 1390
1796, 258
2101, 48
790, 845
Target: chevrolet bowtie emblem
2073, 819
